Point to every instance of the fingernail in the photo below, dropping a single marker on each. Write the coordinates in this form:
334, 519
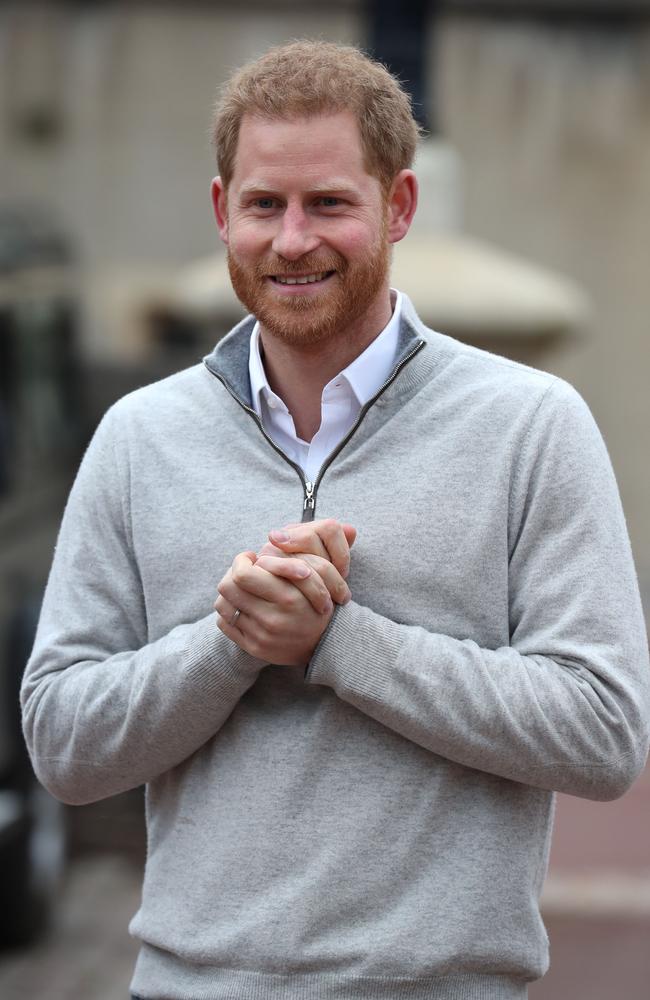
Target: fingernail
327, 608
302, 571
280, 536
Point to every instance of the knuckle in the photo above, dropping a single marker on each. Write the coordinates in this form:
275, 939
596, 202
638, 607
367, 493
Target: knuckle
322, 593
238, 575
290, 599
316, 584
330, 575
272, 626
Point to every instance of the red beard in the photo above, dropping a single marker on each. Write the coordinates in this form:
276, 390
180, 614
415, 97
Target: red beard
315, 317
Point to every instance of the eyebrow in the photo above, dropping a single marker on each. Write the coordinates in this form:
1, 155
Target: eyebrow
336, 186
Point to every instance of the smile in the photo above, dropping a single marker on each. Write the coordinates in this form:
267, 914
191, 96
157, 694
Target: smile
306, 279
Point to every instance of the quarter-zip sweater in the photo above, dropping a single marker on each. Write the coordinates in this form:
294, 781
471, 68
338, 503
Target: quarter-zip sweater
377, 826
341, 399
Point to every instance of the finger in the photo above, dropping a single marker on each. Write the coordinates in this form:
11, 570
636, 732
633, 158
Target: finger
234, 633
349, 531
310, 584
312, 537
334, 582
244, 573
225, 609
244, 561
226, 612
293, 540
268, 549
336, 585
246, 585
232, 597
288, 567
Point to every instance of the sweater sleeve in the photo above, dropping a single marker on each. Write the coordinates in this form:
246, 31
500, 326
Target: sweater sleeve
104, 710
566, 704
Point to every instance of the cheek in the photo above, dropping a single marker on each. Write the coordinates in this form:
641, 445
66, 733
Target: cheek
350, 242
357, 237
249, 239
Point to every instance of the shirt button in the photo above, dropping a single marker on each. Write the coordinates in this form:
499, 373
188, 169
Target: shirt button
272, 402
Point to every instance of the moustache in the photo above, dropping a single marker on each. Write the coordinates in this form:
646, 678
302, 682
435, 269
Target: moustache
309, 264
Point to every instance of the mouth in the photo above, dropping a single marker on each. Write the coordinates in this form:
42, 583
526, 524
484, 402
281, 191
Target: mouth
301, 279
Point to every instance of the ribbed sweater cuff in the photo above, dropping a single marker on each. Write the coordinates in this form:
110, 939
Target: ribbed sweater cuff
215, 664
356, 653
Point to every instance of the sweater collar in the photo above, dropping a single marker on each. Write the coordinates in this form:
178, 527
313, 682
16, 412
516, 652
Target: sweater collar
229, 360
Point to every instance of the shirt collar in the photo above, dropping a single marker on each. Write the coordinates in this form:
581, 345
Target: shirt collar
259, 382
365, 375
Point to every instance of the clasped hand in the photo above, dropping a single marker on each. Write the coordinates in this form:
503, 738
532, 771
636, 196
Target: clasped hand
286, 592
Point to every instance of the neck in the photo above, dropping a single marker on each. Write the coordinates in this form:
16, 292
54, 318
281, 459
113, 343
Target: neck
298, 373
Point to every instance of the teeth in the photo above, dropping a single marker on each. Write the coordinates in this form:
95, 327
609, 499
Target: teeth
307, 280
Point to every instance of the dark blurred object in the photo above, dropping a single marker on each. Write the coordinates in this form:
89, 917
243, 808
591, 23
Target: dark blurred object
28, 240
36, 60
575, 10
42, 431
113, 826
398, 36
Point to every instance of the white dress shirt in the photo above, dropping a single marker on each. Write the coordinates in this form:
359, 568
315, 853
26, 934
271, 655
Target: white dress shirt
341, 402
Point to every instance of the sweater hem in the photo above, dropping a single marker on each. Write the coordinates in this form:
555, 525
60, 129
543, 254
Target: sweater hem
159, 975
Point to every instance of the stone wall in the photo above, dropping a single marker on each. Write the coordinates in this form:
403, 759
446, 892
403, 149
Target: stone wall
104, 112
553, 126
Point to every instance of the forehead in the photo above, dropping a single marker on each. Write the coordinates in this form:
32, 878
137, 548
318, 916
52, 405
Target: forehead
313, 148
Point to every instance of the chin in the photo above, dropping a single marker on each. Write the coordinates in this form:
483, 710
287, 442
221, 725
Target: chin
310, 319
301, 321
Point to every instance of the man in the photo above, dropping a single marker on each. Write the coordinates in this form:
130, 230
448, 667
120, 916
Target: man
345, 797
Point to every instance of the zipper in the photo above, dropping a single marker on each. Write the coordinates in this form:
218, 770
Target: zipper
309, 506
251, 413
310, 489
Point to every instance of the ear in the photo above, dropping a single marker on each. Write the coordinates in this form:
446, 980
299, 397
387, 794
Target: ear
219, 206
402, 201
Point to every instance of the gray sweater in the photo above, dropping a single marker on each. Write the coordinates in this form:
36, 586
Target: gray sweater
377, 827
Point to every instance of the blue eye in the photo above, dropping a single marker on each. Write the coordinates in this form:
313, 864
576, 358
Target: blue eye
329, 202
265, 202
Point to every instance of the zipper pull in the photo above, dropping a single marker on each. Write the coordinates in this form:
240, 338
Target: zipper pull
309, 503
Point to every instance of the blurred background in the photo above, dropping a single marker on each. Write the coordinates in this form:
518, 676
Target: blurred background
532, 241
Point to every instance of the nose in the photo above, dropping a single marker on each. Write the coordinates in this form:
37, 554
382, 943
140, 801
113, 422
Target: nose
295, 236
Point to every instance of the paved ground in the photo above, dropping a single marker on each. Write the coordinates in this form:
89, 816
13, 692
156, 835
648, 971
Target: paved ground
596, 906
88, 955
599, 958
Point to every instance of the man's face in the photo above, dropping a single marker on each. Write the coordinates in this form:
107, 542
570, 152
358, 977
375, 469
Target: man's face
306, 228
